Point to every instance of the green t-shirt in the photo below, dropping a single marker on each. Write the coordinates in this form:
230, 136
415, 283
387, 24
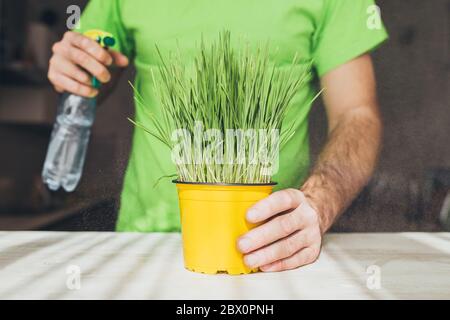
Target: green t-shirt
327, 32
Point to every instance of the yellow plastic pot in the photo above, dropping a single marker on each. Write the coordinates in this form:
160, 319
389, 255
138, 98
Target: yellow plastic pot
212, 219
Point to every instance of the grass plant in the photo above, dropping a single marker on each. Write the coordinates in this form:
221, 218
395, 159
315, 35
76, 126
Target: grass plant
230, 97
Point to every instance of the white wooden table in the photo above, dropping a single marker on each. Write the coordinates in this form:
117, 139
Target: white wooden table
48, 265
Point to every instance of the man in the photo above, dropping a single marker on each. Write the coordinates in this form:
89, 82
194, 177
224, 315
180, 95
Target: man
334, 34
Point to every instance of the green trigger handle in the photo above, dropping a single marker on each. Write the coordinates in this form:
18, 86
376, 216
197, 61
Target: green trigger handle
106, 40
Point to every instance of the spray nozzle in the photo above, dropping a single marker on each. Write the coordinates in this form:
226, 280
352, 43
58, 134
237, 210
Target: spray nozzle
109, 42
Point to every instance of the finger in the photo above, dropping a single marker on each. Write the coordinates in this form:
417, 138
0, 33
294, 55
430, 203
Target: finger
274, 204
90, 46
279, 250
119, 59
65, 83
271, 231
301, 258
90, 65
83, 59
69, 69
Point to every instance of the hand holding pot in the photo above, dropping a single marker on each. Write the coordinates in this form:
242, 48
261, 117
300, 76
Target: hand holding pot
290, 236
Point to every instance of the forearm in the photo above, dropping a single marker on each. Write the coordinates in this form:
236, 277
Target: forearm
345, 164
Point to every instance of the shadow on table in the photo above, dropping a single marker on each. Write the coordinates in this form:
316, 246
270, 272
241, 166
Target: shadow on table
25, 283
102, 263
345, 256
140, 265
19, 251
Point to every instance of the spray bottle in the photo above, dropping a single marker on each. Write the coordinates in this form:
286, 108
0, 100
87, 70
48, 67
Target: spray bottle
70, 136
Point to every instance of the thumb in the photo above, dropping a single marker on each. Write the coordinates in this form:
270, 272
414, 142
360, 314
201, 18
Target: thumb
119, 59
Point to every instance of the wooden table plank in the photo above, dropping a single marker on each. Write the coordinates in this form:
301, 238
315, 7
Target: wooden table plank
34, 265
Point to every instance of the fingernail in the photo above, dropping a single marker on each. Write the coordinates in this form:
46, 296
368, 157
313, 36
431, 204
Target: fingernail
269, 268
244, 244
251, 260
252, 215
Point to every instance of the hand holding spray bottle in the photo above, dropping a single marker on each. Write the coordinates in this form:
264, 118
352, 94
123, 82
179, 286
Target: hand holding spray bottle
70, 136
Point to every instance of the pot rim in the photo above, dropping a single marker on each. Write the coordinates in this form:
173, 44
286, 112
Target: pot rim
226, 184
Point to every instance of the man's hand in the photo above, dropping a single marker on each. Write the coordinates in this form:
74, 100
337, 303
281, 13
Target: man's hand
290, 236
75, 59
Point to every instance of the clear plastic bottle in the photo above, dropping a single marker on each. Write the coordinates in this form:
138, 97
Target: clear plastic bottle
70, 136
68, 143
